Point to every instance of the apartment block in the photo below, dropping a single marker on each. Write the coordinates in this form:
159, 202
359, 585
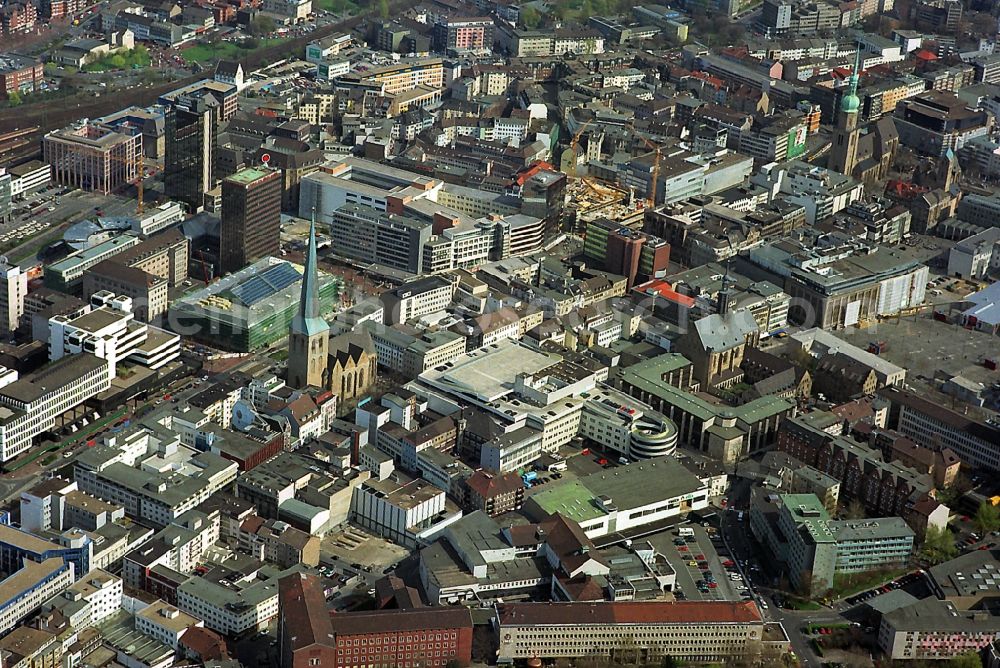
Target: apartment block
798, 532
151, 474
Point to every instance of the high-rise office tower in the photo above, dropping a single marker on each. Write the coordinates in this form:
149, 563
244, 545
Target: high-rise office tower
251, 218
13, 290
308, 334
191, 130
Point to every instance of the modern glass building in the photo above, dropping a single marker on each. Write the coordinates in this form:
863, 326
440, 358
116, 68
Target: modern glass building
250, 309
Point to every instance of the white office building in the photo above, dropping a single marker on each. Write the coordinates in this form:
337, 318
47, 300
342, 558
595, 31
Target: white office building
111, 332
13, 290
90, 600
976, 256
401, 509
31, 404
165, 623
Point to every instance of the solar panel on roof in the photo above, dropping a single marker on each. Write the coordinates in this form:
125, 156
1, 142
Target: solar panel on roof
268, 282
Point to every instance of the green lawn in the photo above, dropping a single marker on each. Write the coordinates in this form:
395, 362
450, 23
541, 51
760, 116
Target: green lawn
336, 6
798, 604
201, 53
135, 59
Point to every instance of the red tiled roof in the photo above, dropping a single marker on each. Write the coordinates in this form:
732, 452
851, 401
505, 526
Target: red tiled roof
252, 524
677, 612
531, 171
205, 643
381, 621
488, 485
665, 290
305, 618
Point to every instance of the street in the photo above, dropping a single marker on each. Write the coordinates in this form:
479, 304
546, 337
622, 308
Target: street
738, 542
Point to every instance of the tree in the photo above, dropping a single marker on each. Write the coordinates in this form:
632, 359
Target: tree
531, 18
262, 25
855, 510
967, 660
383, 8
14, 98
987, 518
939, 545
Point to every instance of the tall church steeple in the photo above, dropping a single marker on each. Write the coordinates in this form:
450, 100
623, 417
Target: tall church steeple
308, 335
844, 152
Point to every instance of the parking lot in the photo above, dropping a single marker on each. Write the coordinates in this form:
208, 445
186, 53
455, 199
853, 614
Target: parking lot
695, 556
931, 351
914, 583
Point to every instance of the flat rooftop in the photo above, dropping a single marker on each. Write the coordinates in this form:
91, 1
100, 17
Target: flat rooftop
248, 176
56, 375
489, 374
631, 486
98, 319
30, 574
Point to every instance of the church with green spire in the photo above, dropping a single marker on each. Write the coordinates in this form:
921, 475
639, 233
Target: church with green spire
844, 150
308, 333
863, 152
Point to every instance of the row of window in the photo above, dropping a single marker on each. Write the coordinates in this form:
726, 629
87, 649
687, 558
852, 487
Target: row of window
393, 639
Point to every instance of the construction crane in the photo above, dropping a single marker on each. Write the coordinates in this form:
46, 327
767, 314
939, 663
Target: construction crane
204, 268
651, 196
572, 148
140, 178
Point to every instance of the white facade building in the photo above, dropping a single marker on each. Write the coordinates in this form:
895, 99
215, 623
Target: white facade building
232, 610
13, 290
623, 425
165, 623
976, 256
112, 333
29, 179
399, 508
30, 405
101, 593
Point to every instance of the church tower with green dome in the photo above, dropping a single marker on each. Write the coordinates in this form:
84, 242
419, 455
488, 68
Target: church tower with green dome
308, 333
844, 152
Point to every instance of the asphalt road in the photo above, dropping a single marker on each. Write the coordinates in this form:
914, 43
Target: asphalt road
735, 535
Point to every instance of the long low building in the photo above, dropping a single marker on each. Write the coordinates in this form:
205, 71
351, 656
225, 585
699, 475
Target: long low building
625, 498
935, 630
636, 633
924, 421
30, 405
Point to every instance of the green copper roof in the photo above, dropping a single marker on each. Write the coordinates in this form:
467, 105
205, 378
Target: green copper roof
249, 175
308, 321
851, 103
